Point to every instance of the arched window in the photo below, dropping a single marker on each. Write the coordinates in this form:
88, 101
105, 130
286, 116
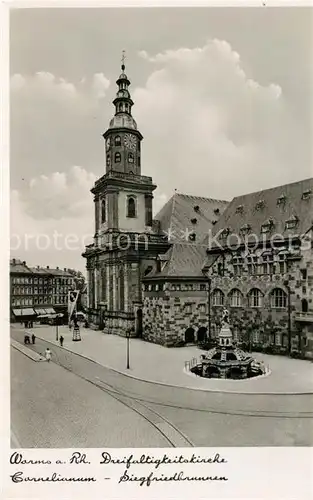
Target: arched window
108, 159
120, 107
130, 157
131, 207
278, 298
218, 298
117, 158
117, 141
103, 211
255, 298
235, 298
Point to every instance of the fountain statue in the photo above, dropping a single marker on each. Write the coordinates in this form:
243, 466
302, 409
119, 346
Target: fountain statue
226, 360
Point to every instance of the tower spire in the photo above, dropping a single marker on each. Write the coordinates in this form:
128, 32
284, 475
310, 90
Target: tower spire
123, 60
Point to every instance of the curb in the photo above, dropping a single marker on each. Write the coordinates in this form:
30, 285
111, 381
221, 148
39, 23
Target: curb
33, 355
154, 382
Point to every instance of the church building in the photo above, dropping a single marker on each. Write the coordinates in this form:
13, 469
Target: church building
167, 279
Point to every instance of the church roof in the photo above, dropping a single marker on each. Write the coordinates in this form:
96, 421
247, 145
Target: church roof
284, 210
184, 214
182, 260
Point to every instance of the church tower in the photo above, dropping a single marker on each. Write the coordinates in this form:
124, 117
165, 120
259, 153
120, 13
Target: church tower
125, 243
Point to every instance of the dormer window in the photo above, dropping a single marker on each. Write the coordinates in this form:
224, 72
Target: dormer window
224, 233
245, 229
117, 158
292, 222
192, 237
239, 209
260, 205
196, 208
130, 157
194, 221
306, 194
216, 211
214, 222
267, 226
281, 200
117, 141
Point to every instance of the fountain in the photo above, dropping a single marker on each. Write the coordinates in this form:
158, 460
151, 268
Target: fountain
226, 360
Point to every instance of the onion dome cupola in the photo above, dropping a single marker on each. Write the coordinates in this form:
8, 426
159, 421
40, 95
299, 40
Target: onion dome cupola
122, 138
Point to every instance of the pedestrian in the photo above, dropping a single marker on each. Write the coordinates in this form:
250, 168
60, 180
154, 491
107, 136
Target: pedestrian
48, 354
61, 340
33, 338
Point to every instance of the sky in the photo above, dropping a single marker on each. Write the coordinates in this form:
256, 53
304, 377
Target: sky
222, 97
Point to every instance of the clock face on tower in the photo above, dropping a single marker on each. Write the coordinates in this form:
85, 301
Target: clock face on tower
108, 143
130, 141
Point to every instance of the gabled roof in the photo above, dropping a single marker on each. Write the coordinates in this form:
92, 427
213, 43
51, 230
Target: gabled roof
184, 214
182, 260
275, 206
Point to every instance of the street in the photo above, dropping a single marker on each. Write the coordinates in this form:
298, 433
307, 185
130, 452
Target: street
70, 402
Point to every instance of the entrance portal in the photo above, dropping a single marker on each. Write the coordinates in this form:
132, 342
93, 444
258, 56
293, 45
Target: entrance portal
201, 335
189, 335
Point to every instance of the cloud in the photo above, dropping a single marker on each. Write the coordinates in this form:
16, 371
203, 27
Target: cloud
215, 130
52, 218
56, 123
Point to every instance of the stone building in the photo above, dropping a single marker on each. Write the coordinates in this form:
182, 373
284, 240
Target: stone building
37, 290
260, 266
258, 262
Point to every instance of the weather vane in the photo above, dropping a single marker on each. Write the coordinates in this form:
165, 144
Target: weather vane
123, 59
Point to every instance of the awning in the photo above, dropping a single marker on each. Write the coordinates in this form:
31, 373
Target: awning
50, 310
40, 310
27, 311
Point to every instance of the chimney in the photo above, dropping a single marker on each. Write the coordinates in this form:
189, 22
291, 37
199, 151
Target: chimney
24, 262
14, 262
47, 267
37, 267
57, 268
65, 269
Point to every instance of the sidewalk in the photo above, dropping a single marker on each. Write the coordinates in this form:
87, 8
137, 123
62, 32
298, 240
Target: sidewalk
166, 365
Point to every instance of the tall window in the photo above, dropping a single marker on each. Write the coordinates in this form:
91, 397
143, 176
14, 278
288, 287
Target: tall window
218, 298
278, 298
117, 141
237, 265
108, 159
282, 262
117, 158
252, 264
131, 207
255, 298
235, 298
267, 263
103, 211
130, 157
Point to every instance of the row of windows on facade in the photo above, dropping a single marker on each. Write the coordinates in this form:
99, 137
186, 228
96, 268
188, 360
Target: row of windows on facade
123, 107
236, 298
267, 266
39, 300
281, 200
278, 298
131, 208
118, 158
33, 291
30, 281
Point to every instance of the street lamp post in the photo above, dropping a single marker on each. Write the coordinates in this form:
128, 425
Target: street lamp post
127, 349
209, 308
